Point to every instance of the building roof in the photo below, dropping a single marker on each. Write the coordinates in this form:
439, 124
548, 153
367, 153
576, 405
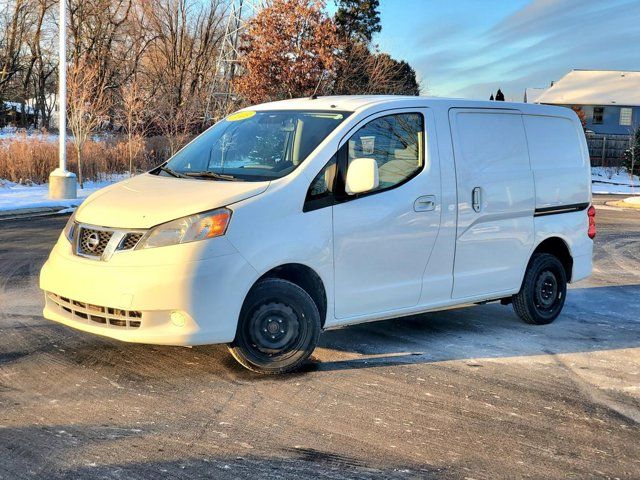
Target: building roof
595, 87
531, 95
17, 106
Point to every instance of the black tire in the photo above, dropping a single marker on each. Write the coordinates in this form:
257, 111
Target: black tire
543, 292
278, 328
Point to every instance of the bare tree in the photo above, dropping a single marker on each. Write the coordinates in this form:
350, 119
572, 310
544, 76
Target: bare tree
99, 35
11, 42
134, 100
39, 66
179, 63
89, 105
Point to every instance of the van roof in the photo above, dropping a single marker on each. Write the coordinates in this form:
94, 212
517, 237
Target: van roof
357, 102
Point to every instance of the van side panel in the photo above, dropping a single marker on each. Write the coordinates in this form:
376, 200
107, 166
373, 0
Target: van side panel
560, 169
562, 174
494, 238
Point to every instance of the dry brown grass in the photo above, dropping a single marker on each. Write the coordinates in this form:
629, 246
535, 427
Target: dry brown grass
32, 159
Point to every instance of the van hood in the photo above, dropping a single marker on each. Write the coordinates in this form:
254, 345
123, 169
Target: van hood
148, 200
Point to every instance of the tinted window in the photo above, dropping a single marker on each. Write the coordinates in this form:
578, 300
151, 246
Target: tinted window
396, 144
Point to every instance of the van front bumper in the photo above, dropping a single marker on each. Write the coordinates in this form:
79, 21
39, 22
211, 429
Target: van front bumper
148, 297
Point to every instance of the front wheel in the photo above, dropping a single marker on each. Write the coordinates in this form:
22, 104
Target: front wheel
278, 328
543, 292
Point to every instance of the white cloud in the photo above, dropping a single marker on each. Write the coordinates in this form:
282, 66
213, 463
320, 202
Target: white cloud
538, 43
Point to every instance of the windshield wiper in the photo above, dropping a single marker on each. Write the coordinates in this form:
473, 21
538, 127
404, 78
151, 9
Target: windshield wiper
172, 172
214, 175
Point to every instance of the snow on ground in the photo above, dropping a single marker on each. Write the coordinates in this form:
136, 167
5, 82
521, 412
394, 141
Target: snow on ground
614, 180
13, 133
17, 197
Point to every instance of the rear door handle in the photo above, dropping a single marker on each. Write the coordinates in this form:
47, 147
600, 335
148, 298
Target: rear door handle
426, 203
476, 199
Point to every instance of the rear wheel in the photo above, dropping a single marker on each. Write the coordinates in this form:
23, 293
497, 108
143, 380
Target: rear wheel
543, 292
278, 328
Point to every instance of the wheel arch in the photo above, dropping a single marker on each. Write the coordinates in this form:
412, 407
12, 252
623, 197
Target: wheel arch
559, 248
306, 278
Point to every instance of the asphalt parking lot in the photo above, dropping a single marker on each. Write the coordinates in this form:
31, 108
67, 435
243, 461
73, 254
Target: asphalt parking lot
467, 393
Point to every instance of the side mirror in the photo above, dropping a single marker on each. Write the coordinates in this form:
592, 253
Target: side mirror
362, 176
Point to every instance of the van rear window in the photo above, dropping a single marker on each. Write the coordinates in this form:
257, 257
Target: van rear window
553, 142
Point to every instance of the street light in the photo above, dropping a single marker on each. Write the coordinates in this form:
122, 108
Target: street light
62, 184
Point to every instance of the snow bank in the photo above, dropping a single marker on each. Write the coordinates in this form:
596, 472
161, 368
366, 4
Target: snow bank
614, 180
14, 196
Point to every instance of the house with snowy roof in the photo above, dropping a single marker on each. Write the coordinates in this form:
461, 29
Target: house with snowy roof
531, 95
30, 113
610, 99
15, 113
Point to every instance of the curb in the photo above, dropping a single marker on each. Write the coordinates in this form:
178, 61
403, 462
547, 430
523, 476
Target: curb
32, 212
623, 204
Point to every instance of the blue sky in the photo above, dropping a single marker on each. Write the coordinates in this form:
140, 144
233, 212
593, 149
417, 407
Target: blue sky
467, 48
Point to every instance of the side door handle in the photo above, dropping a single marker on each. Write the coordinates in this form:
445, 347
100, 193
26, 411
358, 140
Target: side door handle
476, 199
426, 203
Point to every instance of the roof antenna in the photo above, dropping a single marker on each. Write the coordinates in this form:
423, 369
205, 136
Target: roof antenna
314, 95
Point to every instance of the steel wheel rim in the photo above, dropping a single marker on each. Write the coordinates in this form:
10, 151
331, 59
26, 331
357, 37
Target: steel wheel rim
547, 291
275, 331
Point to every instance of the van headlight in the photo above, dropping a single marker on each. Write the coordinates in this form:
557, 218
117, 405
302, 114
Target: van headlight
70, 227
187, 229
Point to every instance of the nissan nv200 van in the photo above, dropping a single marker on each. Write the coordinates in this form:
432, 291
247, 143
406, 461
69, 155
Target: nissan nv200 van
292, 217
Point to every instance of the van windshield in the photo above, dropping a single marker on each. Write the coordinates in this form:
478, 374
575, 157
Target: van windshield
254, 145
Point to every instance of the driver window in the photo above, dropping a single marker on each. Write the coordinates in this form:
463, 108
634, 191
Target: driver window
396, 142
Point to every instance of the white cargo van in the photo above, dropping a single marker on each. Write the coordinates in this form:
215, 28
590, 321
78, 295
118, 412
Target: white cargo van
292, 217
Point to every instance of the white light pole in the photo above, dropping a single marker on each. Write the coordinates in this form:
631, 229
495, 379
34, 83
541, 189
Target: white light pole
62, 184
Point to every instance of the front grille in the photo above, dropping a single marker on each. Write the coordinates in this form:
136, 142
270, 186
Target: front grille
107, 316
93, 242
99, 243
130, 241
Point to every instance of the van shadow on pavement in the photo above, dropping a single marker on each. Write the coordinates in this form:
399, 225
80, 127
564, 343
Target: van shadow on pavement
593, 319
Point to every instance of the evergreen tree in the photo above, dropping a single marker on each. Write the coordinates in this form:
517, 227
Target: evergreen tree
405, 77
491, 97
631, 157
363, 69
358, 19
499, 96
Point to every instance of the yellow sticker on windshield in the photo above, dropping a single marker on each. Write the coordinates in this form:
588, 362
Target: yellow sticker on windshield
234, 117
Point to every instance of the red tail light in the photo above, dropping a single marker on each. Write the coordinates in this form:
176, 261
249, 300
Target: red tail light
591, 212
